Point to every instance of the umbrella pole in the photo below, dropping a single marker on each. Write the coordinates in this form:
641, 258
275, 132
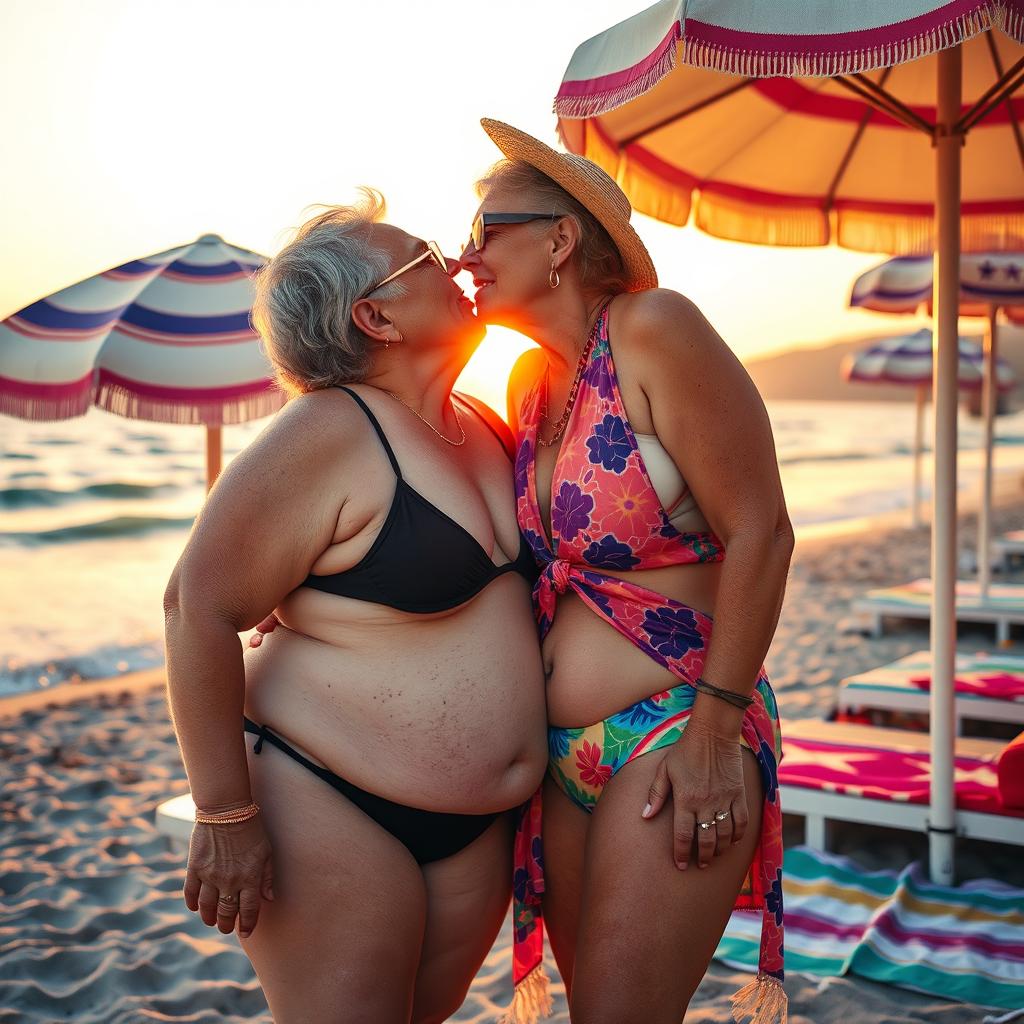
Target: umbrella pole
944, 390
915, 515
988, 406
213, 455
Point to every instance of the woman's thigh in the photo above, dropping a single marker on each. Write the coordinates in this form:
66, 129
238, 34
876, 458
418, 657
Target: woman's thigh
641, 918
467, 899
565, 838
341, 940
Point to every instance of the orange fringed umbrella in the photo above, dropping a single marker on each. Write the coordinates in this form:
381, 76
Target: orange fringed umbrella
792, 160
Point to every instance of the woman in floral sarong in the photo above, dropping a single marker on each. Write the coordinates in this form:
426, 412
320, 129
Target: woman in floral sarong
648, 489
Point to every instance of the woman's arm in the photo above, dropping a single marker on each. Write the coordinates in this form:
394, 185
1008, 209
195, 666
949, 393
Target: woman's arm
711, 420
525, 371
267, 520
274, 511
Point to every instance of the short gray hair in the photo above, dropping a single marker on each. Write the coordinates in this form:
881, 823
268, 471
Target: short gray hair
305, 294
596, 257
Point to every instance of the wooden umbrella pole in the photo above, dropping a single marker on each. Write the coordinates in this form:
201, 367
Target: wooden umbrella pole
214, 449
988, 408
915, 516
946, 301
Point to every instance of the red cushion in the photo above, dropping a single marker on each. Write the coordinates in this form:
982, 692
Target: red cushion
1010, 771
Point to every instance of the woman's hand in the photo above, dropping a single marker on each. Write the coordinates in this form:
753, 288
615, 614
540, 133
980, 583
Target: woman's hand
703, 770
229, 873
268, 625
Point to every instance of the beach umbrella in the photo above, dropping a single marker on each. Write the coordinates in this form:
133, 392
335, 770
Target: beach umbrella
799, 124
165, 338
907, 360
989, 282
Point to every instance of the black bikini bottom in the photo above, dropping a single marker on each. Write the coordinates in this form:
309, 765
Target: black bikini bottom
427, 835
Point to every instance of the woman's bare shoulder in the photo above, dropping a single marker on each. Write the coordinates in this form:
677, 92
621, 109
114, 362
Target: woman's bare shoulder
526, 370
646, 317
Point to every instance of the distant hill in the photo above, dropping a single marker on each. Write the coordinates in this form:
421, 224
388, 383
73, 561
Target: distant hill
813, 374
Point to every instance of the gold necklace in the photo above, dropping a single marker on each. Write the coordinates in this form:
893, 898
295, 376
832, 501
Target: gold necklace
447, 440
563, 420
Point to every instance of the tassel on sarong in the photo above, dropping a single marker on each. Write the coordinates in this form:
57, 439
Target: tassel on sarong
763, 999
532, 999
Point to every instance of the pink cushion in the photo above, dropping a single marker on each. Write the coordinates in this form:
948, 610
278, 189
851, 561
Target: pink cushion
900, 775
1010, 770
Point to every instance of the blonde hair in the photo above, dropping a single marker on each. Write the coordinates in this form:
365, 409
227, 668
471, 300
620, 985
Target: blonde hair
305, 294
596, 257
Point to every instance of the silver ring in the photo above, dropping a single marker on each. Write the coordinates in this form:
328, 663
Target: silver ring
226, 899
705, 824
721, 815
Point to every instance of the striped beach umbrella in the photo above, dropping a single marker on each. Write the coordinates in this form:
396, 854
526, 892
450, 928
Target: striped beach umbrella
165, 338
908, 360
989, 282
887, 127
903, 284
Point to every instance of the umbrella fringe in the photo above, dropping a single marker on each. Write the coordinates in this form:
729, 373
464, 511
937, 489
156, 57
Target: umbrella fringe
726, 217
123, 402
45, 409
914, 234
752, 64
580, 107
1011, 22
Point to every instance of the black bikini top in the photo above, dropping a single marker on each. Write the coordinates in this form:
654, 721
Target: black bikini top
422, 560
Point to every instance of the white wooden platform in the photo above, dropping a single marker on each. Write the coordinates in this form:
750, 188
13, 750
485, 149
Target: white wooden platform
1002, 607
819, 807
890, 688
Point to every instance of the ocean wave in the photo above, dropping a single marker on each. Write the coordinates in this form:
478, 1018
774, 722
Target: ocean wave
118, 526
102, 662
798, 459
49, 497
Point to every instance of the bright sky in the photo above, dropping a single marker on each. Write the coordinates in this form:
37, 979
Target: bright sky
130, 126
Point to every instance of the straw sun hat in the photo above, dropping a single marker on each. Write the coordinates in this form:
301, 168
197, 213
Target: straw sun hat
590, 186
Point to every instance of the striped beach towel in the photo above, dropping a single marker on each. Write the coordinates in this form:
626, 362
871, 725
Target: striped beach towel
1005, 597
964, 943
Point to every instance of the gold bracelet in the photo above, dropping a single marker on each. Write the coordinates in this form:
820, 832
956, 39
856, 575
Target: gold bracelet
234, 817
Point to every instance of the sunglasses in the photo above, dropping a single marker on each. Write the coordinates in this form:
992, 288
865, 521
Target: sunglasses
433, 253
478, 236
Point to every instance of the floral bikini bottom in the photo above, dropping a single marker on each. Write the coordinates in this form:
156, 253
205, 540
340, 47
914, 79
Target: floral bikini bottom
582, 760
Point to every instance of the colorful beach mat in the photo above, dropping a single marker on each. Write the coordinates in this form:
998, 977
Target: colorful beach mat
992, 676
1002, 597
964, 943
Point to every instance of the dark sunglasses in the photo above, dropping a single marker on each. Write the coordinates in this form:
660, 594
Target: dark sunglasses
478, 236
433, 253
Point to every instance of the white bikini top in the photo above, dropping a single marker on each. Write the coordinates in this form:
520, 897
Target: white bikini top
670, 487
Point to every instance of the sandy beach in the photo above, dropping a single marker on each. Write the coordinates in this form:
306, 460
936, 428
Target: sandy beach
92, 926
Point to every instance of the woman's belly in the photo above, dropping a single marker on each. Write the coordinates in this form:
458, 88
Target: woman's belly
444, 712
593, 670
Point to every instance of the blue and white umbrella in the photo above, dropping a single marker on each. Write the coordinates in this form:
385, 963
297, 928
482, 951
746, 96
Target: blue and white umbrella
165, 338
908, 360
903, 284
990, 282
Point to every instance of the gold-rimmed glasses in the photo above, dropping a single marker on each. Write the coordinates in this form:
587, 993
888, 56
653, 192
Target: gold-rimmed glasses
433, 252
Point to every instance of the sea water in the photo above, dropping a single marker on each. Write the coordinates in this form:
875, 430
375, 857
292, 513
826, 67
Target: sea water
94, 513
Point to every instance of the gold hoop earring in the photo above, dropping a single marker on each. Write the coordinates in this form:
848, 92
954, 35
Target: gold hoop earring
553, 279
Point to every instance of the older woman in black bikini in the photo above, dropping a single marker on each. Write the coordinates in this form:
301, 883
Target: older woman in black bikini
357, 841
